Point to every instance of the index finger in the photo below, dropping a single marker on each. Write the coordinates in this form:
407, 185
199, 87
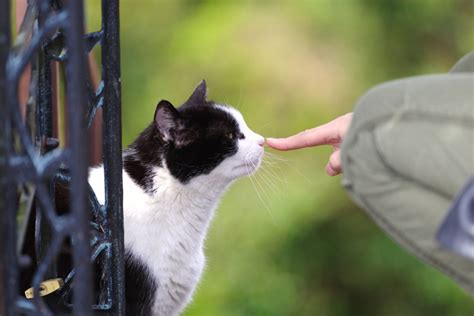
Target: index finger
326, 134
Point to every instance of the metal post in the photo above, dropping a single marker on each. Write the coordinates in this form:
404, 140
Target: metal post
113, 147
44, 97
21, 162
8, 260
76, 100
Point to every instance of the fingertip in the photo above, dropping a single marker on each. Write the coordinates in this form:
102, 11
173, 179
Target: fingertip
268, 142
273, 143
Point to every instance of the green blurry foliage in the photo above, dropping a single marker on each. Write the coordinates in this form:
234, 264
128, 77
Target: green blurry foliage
298, 246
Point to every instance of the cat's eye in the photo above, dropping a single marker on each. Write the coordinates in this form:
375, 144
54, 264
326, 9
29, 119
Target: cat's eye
233, 136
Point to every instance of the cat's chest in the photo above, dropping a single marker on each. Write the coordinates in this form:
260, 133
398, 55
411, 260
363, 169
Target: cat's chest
165, 235
171, 249
171, 257
163, 242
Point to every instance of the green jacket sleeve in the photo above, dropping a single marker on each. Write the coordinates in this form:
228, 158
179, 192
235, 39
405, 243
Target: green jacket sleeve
407, 154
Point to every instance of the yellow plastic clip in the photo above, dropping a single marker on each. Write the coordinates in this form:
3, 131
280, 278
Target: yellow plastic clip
46, 287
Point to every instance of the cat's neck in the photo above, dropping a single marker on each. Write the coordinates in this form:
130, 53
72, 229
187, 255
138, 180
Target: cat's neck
165, 195
199, 192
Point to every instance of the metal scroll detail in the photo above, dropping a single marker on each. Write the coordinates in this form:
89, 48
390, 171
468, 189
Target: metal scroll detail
42, 236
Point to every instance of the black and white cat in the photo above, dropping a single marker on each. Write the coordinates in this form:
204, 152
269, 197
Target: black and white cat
174, 174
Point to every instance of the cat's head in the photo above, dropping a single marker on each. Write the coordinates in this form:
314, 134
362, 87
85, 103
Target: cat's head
204, 139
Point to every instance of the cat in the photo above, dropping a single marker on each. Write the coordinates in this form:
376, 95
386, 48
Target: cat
175, 173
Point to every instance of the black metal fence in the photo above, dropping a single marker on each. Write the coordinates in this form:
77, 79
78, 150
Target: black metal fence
42, 236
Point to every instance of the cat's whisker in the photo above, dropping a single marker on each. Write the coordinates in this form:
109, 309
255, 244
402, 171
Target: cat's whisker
269, 165
289, 164
279, 182
273, 161
272, 175
255, 184
269, 162
268, 182
273, 167
265, 178
277, 157
265, 199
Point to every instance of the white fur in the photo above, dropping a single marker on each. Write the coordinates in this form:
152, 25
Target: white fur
166, 230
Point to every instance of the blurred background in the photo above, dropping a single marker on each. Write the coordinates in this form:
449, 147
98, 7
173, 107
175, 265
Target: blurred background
289, 241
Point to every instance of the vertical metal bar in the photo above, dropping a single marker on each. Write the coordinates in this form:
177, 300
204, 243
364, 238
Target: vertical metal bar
8, 260
44, 95
113, 146
76, 100
55, 66
24, 82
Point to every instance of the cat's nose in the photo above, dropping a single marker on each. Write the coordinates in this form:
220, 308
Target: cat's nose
261, 142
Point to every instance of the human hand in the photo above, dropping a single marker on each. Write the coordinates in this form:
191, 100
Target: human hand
331, 133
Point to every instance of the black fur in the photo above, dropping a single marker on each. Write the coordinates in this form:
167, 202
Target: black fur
140, 287
191, 140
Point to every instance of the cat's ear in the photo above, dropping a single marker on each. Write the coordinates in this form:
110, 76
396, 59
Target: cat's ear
199, 95
166, 120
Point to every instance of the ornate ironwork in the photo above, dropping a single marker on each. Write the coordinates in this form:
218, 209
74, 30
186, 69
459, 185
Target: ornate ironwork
42, 237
